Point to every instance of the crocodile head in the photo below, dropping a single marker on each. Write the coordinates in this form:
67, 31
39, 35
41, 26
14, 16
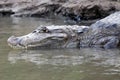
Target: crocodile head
46, 37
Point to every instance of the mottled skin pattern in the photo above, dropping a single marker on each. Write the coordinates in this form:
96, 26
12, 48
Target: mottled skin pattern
105, 33
49, 37
105, 37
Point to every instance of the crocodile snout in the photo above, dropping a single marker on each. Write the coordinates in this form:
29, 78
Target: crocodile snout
12, 40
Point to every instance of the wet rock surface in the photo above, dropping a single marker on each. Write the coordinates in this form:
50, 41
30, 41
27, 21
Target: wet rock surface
70, 10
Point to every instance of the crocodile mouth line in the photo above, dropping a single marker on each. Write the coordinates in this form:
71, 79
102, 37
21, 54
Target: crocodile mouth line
30, 45
17, 46
23, 47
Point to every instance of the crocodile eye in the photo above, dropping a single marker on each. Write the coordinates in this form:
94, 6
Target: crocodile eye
44, 30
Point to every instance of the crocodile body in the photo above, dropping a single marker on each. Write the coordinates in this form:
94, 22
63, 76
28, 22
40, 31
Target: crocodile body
105, 33
49, 37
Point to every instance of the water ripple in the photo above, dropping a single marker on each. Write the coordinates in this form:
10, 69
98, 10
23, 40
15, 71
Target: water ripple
67, 57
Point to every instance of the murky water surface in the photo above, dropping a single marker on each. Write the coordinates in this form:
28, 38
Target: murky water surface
63, 64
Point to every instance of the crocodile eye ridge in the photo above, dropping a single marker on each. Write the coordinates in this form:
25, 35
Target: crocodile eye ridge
44, 29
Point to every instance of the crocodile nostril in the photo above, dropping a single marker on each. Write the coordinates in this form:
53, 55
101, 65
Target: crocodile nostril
13, 40
34, 32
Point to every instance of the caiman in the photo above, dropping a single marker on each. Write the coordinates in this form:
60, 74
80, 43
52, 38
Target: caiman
49, 37
104, 33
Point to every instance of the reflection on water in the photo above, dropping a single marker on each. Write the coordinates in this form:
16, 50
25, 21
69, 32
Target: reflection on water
60, 64
88, 61
53, 57
67, 57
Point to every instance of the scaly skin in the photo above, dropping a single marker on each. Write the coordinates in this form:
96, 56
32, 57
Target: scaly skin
105, 33
49, 37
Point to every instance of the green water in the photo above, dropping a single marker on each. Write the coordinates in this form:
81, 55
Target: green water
63, 64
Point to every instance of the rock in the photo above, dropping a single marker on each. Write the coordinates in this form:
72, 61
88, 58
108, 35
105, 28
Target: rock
73, 10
